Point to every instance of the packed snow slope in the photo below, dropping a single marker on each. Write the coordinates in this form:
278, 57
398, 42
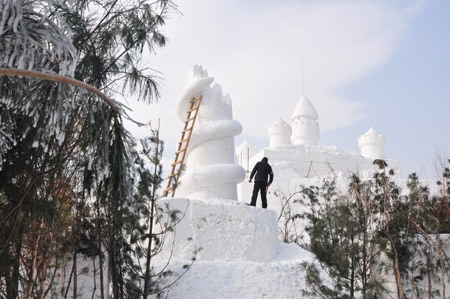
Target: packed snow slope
237, 252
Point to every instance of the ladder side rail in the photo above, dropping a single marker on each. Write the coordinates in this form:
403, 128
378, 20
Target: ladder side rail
188, 128
180, 149
187, 141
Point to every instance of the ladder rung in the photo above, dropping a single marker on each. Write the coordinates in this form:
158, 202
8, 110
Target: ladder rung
182, 141
180, 151
196, 99
193, 109
176, 163
171, 175
187, 130
189, 119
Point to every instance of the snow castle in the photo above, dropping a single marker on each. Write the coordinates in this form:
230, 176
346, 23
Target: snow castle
297, 158
236, 247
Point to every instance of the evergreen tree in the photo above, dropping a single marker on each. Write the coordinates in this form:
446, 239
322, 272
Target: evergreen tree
339, 227
373, 229
63, 147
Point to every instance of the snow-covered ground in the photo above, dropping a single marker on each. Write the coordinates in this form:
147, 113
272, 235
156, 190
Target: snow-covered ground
240, 257
282, 277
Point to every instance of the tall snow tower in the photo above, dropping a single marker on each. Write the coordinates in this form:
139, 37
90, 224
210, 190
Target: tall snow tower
279, 133
305, 124
372, 144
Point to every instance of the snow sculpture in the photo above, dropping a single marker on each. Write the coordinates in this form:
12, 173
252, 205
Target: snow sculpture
244, 152
372, 144
207, 194
210, 169
240, 256
305, 124
279, 133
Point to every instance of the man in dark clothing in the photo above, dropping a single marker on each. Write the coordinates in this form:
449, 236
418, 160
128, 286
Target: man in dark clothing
262, 170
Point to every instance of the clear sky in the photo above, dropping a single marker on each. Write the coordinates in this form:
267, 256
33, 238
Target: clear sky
380, 63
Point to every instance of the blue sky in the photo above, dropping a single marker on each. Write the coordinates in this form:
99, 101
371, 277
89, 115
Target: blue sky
381, 64
408, 98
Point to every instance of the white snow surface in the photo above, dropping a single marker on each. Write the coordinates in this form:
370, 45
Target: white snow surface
241, 255
279, 133
305, 123
209, 162
281, 278
223, 231
372, 144
304, 108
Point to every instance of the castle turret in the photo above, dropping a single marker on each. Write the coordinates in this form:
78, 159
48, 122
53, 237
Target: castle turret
372, 144
279, 133
305, 124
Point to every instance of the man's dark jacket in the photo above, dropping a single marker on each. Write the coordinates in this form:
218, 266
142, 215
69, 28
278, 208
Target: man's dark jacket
262, 170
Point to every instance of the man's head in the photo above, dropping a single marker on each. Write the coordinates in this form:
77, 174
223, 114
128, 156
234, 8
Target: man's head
265, 160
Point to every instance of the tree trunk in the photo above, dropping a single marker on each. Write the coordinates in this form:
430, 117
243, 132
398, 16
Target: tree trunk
100, 257
12, 284
63, 278
429, 276
152, 211
113, 268
75, 275
352, 275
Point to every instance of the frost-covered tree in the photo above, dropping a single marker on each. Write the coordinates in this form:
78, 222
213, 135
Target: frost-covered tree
375, 230
62, 140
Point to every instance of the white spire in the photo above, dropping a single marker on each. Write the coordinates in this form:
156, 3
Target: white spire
305, 124
279, 132
372, 144
304, 108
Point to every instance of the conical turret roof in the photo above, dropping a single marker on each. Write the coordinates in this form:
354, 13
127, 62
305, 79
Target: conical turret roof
305, 108
279, 126
279, 122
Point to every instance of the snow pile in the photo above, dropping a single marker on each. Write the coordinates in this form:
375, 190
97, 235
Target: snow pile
281, 278
223, 231
239, 254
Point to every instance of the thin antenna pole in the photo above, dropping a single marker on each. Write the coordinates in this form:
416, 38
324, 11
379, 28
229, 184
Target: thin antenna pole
303, 78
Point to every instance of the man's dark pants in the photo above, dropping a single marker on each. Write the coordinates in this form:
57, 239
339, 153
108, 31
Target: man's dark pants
261, 187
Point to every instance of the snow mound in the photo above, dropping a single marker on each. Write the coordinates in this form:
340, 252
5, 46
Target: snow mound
282, 278
222, 231
240, 256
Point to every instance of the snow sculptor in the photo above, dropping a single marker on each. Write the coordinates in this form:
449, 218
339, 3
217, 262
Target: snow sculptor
263, 171
209, 163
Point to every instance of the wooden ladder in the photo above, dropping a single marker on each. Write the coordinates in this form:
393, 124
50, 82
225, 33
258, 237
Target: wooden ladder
180, 154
